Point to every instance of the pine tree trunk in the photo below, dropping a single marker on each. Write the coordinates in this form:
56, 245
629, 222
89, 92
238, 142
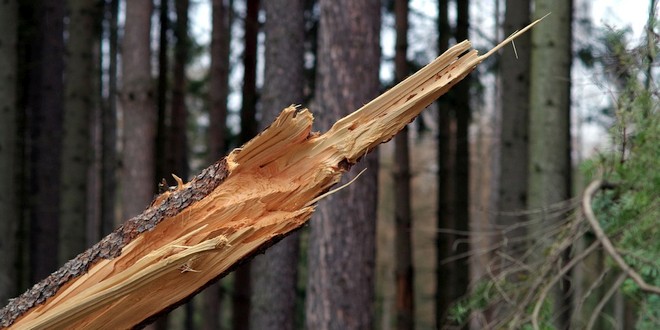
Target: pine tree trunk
178, 142
340, 284
45, 111
446, 142
9, 152
163, 164
109, 134
549, 132
138, 103
453, 176
514, 135
275, 274
76, 147
404, 273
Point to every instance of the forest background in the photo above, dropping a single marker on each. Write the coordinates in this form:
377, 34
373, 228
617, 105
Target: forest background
471, 217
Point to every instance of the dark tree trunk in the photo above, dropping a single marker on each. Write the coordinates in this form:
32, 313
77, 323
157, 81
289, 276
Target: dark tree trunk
405, 311
248, 110
446, 176
178, 142
45, 112
275, 274
109, 134
163, 164
453, 189
9, 151
342, 241
514, 137
77, 145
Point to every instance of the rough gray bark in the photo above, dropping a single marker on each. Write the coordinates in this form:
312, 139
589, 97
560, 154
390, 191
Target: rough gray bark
137, 96
514, 134
76, 146
9, 204
342, 244
549, 130
404, 272
275, 274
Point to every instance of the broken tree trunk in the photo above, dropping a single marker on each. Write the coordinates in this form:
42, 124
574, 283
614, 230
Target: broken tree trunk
237, 207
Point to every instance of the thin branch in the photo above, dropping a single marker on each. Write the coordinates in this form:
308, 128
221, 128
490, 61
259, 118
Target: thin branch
605, 241
556, 278
605, 299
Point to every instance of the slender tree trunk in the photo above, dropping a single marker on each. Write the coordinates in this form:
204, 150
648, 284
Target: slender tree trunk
76, 147
275, 274
446, 141
242, 283
449, 209
219, 89
341, 283
45, 107
514, 134
549, 132
248, 110
109, 123
9, 152
163, 164
453, 189
460, 272
178, 142
404, 273
137, 98
219, 78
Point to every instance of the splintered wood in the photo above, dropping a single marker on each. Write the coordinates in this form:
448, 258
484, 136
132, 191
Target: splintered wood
237, 207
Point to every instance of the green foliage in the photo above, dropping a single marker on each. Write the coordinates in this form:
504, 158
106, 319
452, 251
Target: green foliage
630, 211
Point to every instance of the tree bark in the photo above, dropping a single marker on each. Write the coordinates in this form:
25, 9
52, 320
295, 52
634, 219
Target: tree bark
76, 147
275, 274
453, 189
137, 98
198, 231
341, 285
9, 151
550, 143
45, 111
404, 273
163, 113
446, 150
514, 135
109, 134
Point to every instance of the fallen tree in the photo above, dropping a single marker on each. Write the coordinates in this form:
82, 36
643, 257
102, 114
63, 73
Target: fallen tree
199, 231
